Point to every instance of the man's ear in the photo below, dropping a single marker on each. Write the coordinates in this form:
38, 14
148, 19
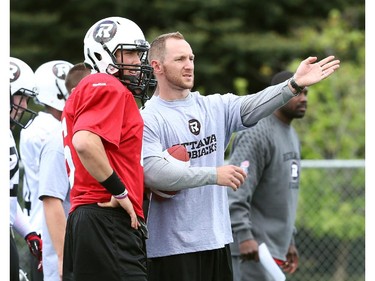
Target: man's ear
156, 65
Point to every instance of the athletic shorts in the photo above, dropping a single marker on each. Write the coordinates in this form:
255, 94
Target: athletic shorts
14, 259
101, 245
213, 265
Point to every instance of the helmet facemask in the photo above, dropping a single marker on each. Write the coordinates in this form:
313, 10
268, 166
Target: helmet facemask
141, 77
22, 88
19, 114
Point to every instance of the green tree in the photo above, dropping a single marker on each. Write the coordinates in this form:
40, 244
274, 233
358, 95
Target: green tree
334, 128
231, 39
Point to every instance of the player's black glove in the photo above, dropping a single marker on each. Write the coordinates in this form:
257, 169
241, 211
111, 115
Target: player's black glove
35, 244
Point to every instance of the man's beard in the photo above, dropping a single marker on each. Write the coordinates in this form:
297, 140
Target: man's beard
177, 81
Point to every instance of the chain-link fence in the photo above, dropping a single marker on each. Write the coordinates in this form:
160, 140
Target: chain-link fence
330, 222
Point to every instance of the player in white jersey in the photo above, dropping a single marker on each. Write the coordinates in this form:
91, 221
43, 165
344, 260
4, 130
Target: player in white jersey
22, 87
42, 155
190, 233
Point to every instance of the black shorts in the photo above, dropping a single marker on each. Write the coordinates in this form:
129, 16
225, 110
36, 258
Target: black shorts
14, 259
213, 265
101, 245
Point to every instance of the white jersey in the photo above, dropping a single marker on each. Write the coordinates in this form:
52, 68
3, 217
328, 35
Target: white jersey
18, 220
32, 142
14, 178
53, 182
42, 154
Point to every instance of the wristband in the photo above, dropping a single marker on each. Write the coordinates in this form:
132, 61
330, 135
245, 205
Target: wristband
122, 195
114, 185
296, 87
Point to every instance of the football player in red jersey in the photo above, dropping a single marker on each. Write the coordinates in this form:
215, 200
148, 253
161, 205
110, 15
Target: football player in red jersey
103, 130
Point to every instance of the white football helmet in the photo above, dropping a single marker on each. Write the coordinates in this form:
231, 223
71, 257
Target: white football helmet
22, 83
107, 36
50, 83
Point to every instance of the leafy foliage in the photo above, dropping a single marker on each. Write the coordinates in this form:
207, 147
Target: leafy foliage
233, 41
335, 206
334, 125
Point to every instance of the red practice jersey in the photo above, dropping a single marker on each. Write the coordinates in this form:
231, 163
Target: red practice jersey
102, 105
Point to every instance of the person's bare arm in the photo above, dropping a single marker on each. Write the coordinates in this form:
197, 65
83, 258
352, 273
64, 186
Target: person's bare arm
91, 152
56, 222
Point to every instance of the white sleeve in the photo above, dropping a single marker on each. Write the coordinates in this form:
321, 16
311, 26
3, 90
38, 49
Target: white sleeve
21, 223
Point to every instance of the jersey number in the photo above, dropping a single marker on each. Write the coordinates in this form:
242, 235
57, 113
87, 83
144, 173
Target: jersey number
68, 155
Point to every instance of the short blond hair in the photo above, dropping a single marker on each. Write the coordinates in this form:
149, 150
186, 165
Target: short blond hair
157, 48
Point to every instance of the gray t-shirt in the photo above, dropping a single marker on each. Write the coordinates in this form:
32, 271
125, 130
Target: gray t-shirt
196, 219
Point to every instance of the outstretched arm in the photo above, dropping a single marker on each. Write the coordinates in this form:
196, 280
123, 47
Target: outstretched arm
263, 103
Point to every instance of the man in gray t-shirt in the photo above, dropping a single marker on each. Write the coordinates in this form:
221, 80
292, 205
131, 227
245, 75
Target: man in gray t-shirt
189, 234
